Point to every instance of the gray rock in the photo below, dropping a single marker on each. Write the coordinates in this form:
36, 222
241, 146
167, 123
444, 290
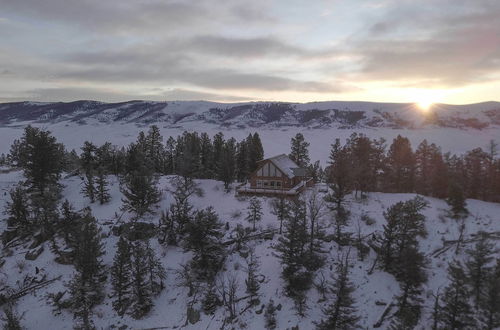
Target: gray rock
33, 254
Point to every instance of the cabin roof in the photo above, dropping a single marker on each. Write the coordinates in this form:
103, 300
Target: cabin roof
287, 166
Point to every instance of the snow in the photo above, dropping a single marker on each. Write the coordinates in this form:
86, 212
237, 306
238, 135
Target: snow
285, 164
170, 305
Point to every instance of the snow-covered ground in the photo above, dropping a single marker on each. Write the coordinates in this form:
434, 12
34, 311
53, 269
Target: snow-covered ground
170, 306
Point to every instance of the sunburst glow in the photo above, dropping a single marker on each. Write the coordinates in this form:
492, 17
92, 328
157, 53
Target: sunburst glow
425, 105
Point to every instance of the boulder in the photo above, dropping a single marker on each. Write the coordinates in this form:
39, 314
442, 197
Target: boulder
193, 316
33, 254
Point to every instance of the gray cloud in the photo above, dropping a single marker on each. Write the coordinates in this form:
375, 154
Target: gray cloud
196, 48
438, 49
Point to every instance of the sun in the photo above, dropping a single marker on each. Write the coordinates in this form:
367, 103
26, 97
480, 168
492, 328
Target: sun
425, 105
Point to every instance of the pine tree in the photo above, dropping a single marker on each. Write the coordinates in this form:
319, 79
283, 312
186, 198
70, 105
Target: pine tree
401, 166
299, 152
281, 209
291, 248
102, 191
140, 193
41, 158
254, 210
18, 213
155, 270
121, 276
211, 300
86, 287
88, 157
341, 312
478, 266
270, 316
141, 300
89, 189
456, 312
204, 233
242, 161
11, 318
252, 284
410, 273
227, 163
206, 157
154, 148
339, 177
404, 224
255, 152
489, 309
456, 201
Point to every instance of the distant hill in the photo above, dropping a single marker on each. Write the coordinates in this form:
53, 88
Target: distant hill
338, 114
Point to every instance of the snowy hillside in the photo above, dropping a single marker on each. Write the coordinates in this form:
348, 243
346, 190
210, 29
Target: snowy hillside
337, 114
373, 291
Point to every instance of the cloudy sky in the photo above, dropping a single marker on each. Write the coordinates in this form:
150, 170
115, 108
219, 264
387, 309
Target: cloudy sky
238, 50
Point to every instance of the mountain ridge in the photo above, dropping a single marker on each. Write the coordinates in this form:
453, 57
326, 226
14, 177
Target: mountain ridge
321, 114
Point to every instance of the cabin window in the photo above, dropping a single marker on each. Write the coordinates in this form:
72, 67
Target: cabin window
272, 184
266, 184
278, 184
259, 183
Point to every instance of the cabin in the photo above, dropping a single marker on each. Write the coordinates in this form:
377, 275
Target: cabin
278, 175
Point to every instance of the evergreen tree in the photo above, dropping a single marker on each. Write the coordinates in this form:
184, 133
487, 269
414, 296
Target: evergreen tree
404, 224
154, 148
41, 158
456, 312
155, 270
339, 175
252, 284
173, 222
140, 193
299, 152
242, 161
88, 157
489, 311
291, 248
89, 189
121, 276
410, 273
18, 213
206, 157
478, 266
211, 300
401, 166
254, 210
227, 163
341, 312
281, 209
456, 201
86, 287
11, 318
255, 152
204, 233
141, 297
102, 191
218, 146
270, 316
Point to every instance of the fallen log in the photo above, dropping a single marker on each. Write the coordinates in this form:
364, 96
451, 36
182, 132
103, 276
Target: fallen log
382, 318
18, 294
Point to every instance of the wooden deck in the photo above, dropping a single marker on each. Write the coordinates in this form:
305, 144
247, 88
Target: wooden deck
245, 189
